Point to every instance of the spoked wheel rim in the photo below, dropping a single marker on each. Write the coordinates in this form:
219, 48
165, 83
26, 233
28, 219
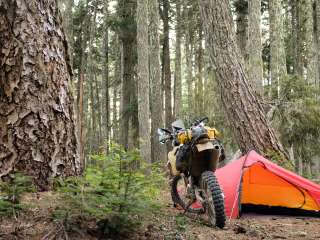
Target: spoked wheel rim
209, 204
182, 186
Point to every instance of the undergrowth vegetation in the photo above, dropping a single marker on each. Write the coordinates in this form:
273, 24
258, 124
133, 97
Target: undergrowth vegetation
116, 191
11, 192
110, 199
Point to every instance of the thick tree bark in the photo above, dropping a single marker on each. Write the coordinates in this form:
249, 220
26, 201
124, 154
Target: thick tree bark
177, 77
158, 154
277, 51
244, 110
166, 64
37, 130
143, 80
254, 45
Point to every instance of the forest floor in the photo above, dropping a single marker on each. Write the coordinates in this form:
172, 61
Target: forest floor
37, 223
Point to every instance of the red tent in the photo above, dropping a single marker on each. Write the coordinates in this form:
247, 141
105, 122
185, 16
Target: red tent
252, 179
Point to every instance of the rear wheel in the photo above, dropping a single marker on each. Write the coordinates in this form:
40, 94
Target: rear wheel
214, 200
180, 195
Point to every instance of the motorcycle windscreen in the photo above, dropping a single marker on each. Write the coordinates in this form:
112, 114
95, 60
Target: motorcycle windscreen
178, 124
204, 146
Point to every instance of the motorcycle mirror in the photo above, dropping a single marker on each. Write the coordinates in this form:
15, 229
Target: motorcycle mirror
160, 132
163, 135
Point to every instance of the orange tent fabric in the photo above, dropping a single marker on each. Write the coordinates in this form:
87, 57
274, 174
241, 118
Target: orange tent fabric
252, 179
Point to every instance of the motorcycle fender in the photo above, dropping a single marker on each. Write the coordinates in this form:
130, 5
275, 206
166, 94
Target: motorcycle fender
204, 146
172, 161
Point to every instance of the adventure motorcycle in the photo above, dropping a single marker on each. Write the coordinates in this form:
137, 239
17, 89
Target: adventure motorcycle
192, 162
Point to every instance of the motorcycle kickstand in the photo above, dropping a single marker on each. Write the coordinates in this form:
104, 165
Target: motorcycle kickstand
187, 208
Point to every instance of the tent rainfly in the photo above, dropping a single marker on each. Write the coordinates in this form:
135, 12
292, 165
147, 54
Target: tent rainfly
254, 180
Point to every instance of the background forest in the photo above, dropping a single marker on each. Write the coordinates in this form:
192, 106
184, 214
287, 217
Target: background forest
279, 43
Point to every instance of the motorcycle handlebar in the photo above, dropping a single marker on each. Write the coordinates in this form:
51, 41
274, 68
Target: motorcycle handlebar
197, 122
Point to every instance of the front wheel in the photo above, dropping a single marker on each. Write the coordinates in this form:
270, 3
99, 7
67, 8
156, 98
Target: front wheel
213, 199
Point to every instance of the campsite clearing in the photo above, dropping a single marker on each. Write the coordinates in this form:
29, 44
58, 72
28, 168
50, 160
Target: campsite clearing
166, 224
171, 224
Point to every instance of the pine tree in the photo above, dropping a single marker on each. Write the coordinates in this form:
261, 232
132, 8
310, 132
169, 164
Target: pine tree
177, 76
158, 154
250, 125
277, 51
166, 69
143, 80
254, 45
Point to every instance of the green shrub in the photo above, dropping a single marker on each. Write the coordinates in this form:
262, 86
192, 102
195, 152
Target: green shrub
11, 192
117, 190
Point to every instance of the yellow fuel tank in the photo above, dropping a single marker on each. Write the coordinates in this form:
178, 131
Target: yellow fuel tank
212, 132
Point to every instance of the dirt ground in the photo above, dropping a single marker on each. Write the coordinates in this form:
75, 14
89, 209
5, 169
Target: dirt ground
167, 224
249, 226
172, 224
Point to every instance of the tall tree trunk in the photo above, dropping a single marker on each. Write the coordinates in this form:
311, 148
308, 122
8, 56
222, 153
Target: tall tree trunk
158, 154
98, 110
134, 119
317, 33
68, 24
128, 69
92, 127
254, 48
298, 15
244, 110
188, 56
37, 129
116, 91
241, 7
294, 33
199, 84
311, 44
80, 88
143, 80
127, 36
80, 119
166, 63
277, 51
177, 77
106, 104
115, 114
